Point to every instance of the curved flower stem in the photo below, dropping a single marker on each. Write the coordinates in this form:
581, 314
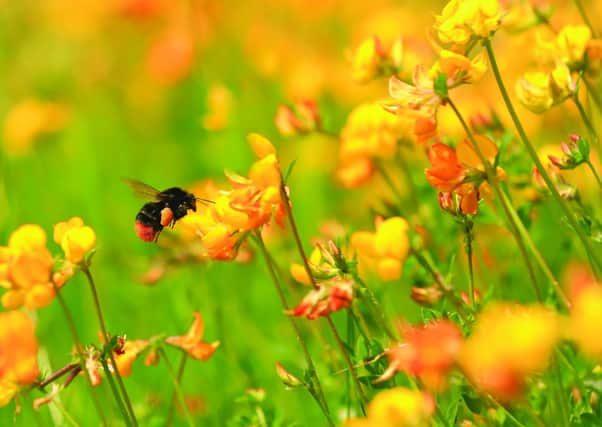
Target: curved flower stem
315, 387
468, 238
492, 179
86, 270
376, 310
544, 174
564, 410
593, 94
174, 396
122, 408
80, 352
440, 280
291, 219
588, 123
591, 167
177, 390
584, 16
389, 181
405, 167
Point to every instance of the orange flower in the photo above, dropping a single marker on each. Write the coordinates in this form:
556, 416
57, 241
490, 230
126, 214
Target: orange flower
417, 100
330, 296
508, 343
191, 342
445, 173
429, 353
128, 353
26, 269
18, 354
172, 55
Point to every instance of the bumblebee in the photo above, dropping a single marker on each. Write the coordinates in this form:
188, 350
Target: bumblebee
165, 208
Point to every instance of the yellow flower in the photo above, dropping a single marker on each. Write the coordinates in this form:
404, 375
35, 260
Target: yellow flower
18, 365
508, 343
219, 105
384, 250
461, 20
460, 69
572, 41
397, 407
585, 320
26, 269
75, 238
367, 60
417, 100
539, 91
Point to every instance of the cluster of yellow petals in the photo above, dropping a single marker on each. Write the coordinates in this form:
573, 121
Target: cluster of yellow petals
508, 343
384, 250
18, 354
250, 203
397, 407
539, 90
76, 239
26, 269
463, 20
458, 68
583, 325
369, 133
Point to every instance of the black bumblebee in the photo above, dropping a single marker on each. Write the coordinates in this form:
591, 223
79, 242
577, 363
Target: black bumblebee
165, 209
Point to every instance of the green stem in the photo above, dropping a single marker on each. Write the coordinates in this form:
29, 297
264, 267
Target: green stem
176, 385
405, 167
591, 167
440, 280
122, 409
593, 94
492, 179
376, 310
584, 16
544, 174
588, 123
80, 352
86, 270
174, 395
507, 412
468, 238
291, 219
389, 181
315, 386
537, 254
564, 411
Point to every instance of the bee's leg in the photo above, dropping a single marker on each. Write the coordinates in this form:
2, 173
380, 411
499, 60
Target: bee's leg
156, 237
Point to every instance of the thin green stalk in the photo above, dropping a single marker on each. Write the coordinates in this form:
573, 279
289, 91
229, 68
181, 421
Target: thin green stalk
176, 385
537, 254
492, 179
544, 174
584, 16
291, 219
591, 168
122, 409
405, 167
389, 181
440, 280
588, 123
564, 411
376, 310
468, 238
506, 411
174, 396
59, 406
593, 94
315, 387
84, 267
80, 352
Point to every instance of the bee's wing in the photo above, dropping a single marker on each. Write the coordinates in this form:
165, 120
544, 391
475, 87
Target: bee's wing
142, 190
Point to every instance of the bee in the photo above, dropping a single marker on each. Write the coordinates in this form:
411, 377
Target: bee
165, 208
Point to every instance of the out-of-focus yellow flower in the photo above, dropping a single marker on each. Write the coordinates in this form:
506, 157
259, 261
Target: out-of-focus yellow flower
369, 133
397, 407
18, 354
461, 20
585, 320
372, 59
26, 269
219, 105
539, 91
508, 343
75, 238
30, 119
191, 342
572, 41
386, 249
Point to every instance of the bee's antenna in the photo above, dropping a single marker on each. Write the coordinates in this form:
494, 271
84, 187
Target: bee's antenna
199, 199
